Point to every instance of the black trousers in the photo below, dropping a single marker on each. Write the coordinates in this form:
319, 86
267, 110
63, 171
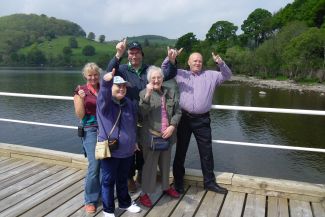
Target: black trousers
137, 164
199, 125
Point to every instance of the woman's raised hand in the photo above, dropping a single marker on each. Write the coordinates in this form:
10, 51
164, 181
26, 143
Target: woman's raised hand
108, 76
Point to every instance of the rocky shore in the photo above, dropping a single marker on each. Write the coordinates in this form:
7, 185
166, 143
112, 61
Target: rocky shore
288, 84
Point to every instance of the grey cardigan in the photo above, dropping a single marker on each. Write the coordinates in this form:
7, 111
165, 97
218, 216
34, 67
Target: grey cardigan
150, 112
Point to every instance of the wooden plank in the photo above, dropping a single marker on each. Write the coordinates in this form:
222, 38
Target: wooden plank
35, 188
2, 158
255, 206
12, 164
50, 204
189, 202
29, 181
210, 205
318, 210
300, 209
18, 170
277, 207
279, 185
69, 207
46, 193
22, 176
233, 205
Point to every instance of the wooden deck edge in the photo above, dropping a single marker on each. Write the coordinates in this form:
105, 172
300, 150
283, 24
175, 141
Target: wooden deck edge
43, 155
234, 182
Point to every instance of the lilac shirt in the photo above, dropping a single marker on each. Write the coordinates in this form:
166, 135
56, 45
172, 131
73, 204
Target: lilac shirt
196, 90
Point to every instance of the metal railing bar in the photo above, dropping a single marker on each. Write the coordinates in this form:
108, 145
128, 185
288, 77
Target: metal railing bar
38, 123
36, 96
273, 110
260, 145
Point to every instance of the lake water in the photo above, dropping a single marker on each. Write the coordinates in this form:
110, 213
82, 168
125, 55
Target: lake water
256, 127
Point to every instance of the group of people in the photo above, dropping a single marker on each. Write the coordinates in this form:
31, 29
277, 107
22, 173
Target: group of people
134, 105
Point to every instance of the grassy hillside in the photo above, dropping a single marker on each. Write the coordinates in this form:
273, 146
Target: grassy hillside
54, 49
153, 40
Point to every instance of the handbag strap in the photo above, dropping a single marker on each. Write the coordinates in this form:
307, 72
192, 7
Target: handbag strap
117, 119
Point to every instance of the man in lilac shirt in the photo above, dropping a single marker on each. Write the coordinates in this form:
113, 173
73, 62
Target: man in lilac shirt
196, 88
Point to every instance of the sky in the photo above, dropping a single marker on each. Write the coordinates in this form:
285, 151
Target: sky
117, 19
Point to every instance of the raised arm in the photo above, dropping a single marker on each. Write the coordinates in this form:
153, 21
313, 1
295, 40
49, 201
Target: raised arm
224, 69
115, 61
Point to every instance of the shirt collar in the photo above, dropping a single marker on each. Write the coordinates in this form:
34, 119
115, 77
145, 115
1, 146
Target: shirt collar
138, 72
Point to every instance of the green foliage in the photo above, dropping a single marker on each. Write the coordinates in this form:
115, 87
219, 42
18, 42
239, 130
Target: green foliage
20, 30
36, 57
155, 40
102, 38
305, 54
73, 43
223, 34
88, 50
258, 25
67, 51
311, 11
91, 36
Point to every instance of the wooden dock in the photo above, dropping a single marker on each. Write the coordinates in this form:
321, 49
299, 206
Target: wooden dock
37, 182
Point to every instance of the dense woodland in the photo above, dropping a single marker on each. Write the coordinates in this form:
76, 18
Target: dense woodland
287, 44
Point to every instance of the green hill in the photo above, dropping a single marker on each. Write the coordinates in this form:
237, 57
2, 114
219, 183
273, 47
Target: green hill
152, 40
20, 30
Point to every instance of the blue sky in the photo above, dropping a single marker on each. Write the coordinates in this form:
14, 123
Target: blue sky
117, 19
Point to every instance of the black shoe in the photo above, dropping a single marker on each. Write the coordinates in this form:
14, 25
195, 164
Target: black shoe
216, 188
180, 190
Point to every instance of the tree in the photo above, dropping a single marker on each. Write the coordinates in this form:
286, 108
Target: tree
91, 36
258, 25
146, 42
36, 57
223, 34
73, 43
88, 50
102, 38
67, 51
187, 42
222, 31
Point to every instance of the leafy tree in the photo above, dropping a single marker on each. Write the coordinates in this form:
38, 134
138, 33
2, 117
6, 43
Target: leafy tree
67, 51
222, 31
102, 38
88, 50
304, 55
258, 25
73, 43
36, 57
91, 36
146, 42
187, 42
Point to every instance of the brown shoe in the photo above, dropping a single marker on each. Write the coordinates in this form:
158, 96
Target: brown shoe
90, 208
132, 186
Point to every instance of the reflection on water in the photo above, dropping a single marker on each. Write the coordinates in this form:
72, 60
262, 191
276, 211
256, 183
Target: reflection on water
280, 129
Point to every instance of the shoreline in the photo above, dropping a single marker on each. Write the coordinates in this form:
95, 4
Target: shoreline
274, 84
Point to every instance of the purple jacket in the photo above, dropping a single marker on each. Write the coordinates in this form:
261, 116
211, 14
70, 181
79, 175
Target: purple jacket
107, 112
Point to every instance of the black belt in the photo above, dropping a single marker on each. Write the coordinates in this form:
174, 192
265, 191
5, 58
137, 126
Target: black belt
184, 112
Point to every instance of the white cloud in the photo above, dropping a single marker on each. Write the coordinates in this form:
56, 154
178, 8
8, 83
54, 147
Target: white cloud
169, 18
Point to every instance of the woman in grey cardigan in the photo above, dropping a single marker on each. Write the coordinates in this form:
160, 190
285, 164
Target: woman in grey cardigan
159, 109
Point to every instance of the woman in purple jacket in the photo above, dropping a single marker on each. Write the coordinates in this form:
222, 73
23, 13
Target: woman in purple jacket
115, 169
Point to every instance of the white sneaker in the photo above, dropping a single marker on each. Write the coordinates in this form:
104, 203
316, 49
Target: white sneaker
134, 208
106, 214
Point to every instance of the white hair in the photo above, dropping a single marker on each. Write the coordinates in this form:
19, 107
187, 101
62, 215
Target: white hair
152, 69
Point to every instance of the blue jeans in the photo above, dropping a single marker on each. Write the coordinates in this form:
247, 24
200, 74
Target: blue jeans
92, 179
115, 171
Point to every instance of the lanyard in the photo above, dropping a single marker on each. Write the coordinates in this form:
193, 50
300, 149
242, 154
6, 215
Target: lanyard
92, 89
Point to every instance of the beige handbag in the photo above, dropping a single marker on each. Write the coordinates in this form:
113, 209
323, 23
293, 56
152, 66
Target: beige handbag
102, 149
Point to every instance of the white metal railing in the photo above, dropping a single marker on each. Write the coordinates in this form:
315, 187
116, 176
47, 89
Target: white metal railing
222, 107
